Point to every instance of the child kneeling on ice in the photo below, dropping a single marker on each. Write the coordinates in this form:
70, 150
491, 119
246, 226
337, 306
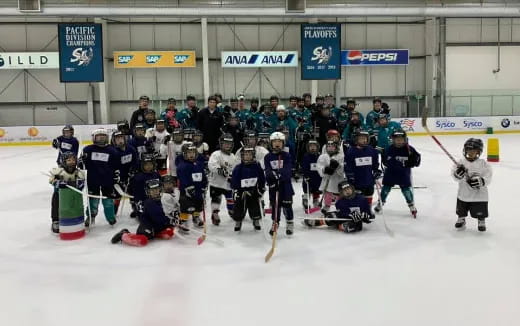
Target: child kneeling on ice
352, 210
153, 223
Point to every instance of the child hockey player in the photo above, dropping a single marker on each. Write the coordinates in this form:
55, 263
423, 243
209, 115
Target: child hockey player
311, 177
153, 223
330, 168
139, 141
221, 164
248, 184
65, 143
192, 186
352, 208
251, 140
128, 162
67, 174
202, 147
362, 166
399, 159
169, 199
473, 175
278, 169
156, 136
175, 150
136, 187
102, 164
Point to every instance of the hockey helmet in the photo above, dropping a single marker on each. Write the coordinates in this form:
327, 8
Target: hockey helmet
69, 162
473, 148
148, 163
346, 189
100, 137
313, 147
68, 131
153, 189
226, 143
248, 155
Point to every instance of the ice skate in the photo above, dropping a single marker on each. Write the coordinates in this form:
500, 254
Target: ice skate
461, 223
481, 224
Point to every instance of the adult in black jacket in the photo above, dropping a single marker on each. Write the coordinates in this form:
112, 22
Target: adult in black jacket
210, 121
325, 122
138, 115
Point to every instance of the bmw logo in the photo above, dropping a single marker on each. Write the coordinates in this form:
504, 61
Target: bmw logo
505, 122
2, 62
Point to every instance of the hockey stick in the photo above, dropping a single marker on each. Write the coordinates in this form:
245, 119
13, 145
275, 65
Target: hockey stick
121, 203
276, 220
74, 188
323, 218
424, 121
201, 239
202, 233
312, 209
378, 188
264, 229
122, 193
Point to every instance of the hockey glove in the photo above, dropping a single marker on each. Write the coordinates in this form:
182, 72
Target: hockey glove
355, 216
56, 143
413, 160
333, 164
378, 174
476, 182
190, 191
222, 172
167, 139
460, 172
80, 183
328, 170
117, 177
153, 139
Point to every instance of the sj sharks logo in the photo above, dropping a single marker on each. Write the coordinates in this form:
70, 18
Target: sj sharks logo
322, 55
82, 57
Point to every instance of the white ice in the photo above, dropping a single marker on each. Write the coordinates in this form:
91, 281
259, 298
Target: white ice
428, 274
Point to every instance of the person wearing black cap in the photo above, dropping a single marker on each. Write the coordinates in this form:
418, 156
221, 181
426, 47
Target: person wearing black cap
168, 115
210, 121
138, 115
187, 117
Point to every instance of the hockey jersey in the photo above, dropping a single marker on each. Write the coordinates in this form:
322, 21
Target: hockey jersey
128, 160
173, 150
136, 187
224, 161
248, 177
310, 172
281, 166
345, 206
398, 162
170, 204
480, 168
158, 144
334, 179
66, 145
360, 163
153, 215
100, 163
192, 174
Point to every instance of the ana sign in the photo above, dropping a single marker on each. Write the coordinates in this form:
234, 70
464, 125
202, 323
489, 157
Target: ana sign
154, 59
252, 59
29, 60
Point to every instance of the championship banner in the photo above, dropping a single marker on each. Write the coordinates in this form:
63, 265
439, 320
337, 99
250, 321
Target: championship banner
154, 59
255, 59
321, 46
29, 60
390, 57
81, 52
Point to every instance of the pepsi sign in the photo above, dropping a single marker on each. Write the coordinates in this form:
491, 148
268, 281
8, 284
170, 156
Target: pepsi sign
374, 57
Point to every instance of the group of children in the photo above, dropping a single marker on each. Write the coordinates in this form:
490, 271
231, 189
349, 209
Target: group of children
166, 177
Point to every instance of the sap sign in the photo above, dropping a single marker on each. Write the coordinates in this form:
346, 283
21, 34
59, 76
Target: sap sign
253, 59
152, 58
124, 59
180, 58
374, 57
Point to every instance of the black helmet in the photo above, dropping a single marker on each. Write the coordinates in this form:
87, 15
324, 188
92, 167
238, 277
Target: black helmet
153, 189
471, 144
248, 159
226, 139
68, 128
344, 185
148, 158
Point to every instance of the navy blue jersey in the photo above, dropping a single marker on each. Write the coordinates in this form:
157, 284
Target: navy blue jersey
137, 184
310, 172
360, 163
140, 144
153, 215
66, 145
192, 174
100, 163
345, 206
248, 177
279, 165
128, 160
398, 162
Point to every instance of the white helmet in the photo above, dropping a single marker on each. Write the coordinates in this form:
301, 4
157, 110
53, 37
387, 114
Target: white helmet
280, 108
98, 132
277, 136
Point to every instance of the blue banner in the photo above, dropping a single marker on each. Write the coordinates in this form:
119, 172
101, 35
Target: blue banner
81, 52
321, 46
374, 57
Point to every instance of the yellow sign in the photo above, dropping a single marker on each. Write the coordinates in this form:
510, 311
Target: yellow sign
154, 59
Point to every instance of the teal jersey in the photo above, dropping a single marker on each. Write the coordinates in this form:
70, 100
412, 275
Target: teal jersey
184, 117
265, 123
372, 117
288, 123
247, 118
302, 118
384, 134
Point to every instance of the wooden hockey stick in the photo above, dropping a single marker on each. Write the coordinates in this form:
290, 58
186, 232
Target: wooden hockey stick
424, 124
202, 237
122, 193
270, 253
387, 229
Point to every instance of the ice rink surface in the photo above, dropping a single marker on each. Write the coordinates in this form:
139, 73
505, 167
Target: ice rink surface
427, 274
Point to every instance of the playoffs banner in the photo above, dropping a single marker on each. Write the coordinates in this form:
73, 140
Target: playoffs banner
321, 51
81, 52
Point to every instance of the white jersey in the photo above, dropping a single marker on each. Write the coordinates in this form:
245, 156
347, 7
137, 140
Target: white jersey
60, 173
324, 149
480, 168
158, 144
334, 179
260, 153
173, 149
170, 204
221, 160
